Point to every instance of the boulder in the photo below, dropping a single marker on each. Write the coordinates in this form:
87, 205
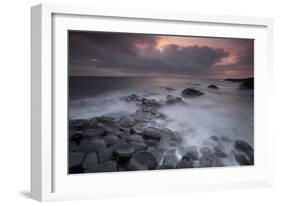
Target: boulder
138, 146
91, 161
169, 89
123, 152
126, 122
185, 163
135, 138
152, 133
158, 153
132, 98
205, 161
170, 161
214, 138
212, 86
95, 131
77, 136
72, 146
170, 100
189, 93
75, 158
110, 140
142, 160
243, 160
110, 166
92, 146
191, 153
105, 155
244, 147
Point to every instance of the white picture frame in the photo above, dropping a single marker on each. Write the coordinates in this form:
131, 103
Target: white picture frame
49, 179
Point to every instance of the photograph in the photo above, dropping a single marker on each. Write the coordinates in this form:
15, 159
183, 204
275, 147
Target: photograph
139, 101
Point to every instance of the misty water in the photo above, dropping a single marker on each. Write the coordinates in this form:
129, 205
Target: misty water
226, 112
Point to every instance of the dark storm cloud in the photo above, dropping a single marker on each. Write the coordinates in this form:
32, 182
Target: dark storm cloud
98, 53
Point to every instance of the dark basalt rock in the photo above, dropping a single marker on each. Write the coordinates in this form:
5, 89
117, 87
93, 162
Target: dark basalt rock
127, 122
170, 100
78, 169
189, 92
245, 148
72, 146
75, 158
91, 161
123, 153
204, 161
132, 98
142, 160
95, 131
78, 124
92, 146
152, 133
214, 138
135, 138
110, 166
185, 163
212, 86
138, 146
242, 160
170, 161
191, 153
110, 140
170, 89
105, 155
77, 136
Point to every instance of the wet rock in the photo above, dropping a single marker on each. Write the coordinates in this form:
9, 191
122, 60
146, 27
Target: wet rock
220, 150
151, 143
185, 162
204, 161
77, 169
212, 86
170, 100
75, 158
95, 131
189, 92
138, 146
214, 138
142, 160
209, 158
72, 146
151, 133
92, 146
104, 155
127, 122
150, 103
131, 98
244, 147
243, 160
110, 140
110, 166
158, 153
225, 139
123, 152
137, 129
77, 136
91, 161
170, 161
170, 89
191, 153
135, 138
78, 124
124, 135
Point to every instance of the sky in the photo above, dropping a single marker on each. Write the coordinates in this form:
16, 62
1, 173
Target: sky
128, 54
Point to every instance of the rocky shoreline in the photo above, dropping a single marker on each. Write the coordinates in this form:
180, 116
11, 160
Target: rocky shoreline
135, 142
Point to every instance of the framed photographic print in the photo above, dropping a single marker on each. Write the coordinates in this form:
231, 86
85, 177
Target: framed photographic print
137, 102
